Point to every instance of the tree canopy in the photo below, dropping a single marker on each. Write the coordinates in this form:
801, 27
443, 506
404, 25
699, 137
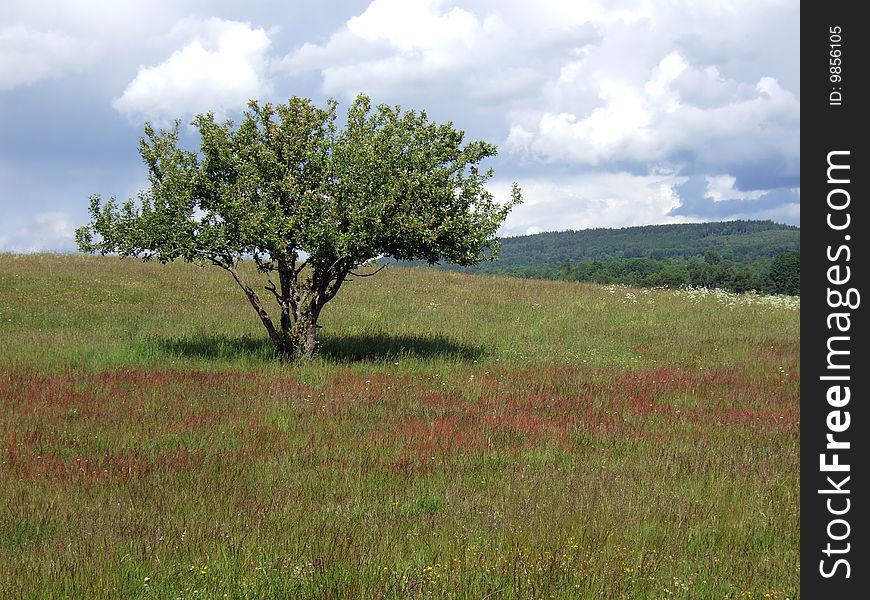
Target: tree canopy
784, 275
307, 200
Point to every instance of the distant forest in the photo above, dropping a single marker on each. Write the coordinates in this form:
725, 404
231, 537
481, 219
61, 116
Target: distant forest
736, 255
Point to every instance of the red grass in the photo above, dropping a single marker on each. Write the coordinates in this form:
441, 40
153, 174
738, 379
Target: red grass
513, 410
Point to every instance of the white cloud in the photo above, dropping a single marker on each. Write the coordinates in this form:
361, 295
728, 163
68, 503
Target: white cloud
651, 122
721, 188
55, 224
707, 88
398, 48
787, 213
220, 69
28, 56
674, 83
590, 200
45, 231
415, 25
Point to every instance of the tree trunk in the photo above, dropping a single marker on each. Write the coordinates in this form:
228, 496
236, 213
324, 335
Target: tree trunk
305, 331
310, 343
277, 337
297, 336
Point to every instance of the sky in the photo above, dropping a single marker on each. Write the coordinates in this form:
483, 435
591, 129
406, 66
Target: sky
607, 113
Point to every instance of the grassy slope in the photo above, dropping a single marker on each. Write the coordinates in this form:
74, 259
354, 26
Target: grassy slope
460, 436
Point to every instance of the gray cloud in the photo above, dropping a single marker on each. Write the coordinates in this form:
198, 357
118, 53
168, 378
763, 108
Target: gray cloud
695, 202
28, 55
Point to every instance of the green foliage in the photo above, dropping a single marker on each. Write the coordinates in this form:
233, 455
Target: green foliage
784, 275
290, 189
740, 241
778, 276
651, 272
732, 255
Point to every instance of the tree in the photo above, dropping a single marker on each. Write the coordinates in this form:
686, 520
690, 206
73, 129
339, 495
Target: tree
711, 257
784, 274
307, 201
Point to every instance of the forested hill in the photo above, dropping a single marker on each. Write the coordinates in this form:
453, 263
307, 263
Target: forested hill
688, 253
739, 241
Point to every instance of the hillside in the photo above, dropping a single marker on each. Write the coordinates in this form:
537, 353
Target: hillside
652, 255
740, 241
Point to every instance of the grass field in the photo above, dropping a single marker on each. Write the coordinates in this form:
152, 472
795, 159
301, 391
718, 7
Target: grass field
458, 437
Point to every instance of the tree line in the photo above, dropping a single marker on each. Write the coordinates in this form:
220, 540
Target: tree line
736, 255
779, 275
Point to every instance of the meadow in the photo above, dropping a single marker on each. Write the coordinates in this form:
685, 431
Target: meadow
459, 436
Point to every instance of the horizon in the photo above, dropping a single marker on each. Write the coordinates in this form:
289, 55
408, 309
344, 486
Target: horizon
654, 225
501, 237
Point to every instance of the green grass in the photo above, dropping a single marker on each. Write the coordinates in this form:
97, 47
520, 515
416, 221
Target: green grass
458, 437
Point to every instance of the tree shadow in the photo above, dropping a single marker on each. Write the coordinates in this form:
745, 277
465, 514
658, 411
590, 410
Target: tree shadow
369, 346
216, 347
373, 346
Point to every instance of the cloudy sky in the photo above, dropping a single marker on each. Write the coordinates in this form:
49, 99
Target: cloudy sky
608, 113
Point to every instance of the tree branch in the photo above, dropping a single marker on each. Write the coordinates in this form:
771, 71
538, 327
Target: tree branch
258, 306
214, 259
330, 291
275, 293
379, 269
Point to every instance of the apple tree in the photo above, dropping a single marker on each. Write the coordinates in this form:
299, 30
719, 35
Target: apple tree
307, 201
